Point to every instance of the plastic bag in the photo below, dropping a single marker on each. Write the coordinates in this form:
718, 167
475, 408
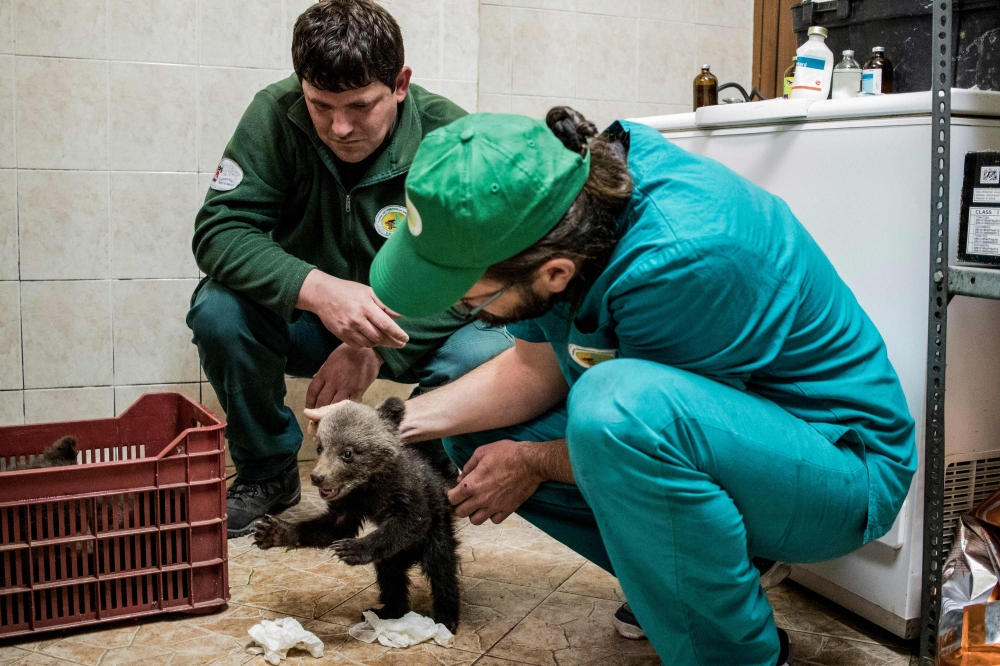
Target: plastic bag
969, 628
408, 630
277, 637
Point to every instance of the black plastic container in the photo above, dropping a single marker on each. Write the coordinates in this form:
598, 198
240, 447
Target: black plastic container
903, 27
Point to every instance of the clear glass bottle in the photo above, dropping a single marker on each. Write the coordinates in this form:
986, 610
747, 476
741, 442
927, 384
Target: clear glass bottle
876, 79
846, 77
788, 79
706, 88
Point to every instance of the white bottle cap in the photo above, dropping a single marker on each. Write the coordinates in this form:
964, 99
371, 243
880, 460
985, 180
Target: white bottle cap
705, 67
849, 52
878, 49
816, 30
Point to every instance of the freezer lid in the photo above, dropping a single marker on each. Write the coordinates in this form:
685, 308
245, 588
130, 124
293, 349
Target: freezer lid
977, 103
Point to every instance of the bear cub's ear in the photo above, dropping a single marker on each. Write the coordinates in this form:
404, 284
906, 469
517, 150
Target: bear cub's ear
391, 413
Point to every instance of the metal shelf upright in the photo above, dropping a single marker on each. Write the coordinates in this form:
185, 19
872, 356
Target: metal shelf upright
944, 282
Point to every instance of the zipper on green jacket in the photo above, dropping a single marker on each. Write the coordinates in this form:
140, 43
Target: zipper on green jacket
348, 201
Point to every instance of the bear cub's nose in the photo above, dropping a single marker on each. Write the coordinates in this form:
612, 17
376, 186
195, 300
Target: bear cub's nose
317, 478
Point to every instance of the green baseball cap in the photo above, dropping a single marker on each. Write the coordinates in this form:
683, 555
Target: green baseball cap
479, 191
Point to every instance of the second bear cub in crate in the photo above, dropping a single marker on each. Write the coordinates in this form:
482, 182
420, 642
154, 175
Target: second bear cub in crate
366, 473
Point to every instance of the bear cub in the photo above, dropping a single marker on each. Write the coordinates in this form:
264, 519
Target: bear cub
366, 473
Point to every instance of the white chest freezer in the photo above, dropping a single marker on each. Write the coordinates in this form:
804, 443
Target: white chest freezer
856, 173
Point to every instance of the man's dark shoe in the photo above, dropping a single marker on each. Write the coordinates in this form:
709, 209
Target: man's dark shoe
249, 501
783, 649
772, 573
626, 625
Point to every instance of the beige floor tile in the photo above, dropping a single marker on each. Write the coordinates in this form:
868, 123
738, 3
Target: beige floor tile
799, 609
147, 655
70, 650
12, 655
816, 650
593, 581
495, 661
109, 638
518, 553
374, 654
570, 630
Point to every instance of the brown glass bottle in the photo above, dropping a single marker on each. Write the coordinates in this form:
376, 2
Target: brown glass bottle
876, 78
706, 89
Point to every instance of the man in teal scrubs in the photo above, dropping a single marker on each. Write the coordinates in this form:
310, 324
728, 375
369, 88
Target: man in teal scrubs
692, 383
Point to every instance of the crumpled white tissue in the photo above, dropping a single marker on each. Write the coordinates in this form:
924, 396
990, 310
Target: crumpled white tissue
408, 630
278, 637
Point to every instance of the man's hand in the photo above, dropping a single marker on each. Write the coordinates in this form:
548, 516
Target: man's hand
351, 311
496, 481
346, 375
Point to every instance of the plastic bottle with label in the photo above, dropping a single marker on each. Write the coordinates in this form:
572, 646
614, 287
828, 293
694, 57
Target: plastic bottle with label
813, 67
877, 76
846, 78
706, 88
788, 79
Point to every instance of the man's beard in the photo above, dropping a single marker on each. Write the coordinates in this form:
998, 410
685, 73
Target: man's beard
532, 306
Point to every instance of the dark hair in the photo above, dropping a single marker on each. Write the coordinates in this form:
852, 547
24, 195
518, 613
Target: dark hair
343, 45
586, 233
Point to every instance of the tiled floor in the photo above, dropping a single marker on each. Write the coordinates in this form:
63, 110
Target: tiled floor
526, 600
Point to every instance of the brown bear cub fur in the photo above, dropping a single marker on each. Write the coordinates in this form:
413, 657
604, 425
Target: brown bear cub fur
63, 452
366, 473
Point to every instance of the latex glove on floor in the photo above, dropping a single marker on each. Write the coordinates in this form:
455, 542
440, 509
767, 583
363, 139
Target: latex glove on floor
408, 630
277, 637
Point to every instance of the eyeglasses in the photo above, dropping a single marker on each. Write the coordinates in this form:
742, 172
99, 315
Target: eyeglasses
466, 310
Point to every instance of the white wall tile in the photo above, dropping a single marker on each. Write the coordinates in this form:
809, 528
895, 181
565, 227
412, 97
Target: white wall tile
8, 225
609, 7
460, 42
420, 22
560, 5
224, 95
8, 156
462, 93
153, 30
602, 113
537, 107
545, 46
11, 408
293, 9
668, 61
63, 218
728, 50
683, 11
606, 57
495, 48
647, 109
211, 401
494, 103
10, 336
62, 113
152, 341
75, 404
66, 331
732, 13
154, 127
125, 396
6, 26
242, 33
152, 221
62, 28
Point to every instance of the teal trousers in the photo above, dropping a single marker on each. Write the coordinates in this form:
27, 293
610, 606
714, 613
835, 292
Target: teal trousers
680, 480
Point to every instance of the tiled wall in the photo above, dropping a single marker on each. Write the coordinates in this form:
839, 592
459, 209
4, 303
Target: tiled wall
608, 58
113, 116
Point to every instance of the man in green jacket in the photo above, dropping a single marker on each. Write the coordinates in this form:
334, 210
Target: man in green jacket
309, 188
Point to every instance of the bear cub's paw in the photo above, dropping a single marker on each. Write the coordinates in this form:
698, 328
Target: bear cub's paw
273, 532
352, 551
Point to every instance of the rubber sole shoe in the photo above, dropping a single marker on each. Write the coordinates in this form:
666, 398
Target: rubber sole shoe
771, 573
626, 625
249, 501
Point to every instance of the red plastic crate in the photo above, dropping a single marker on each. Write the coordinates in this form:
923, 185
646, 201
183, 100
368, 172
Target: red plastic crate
137, 528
